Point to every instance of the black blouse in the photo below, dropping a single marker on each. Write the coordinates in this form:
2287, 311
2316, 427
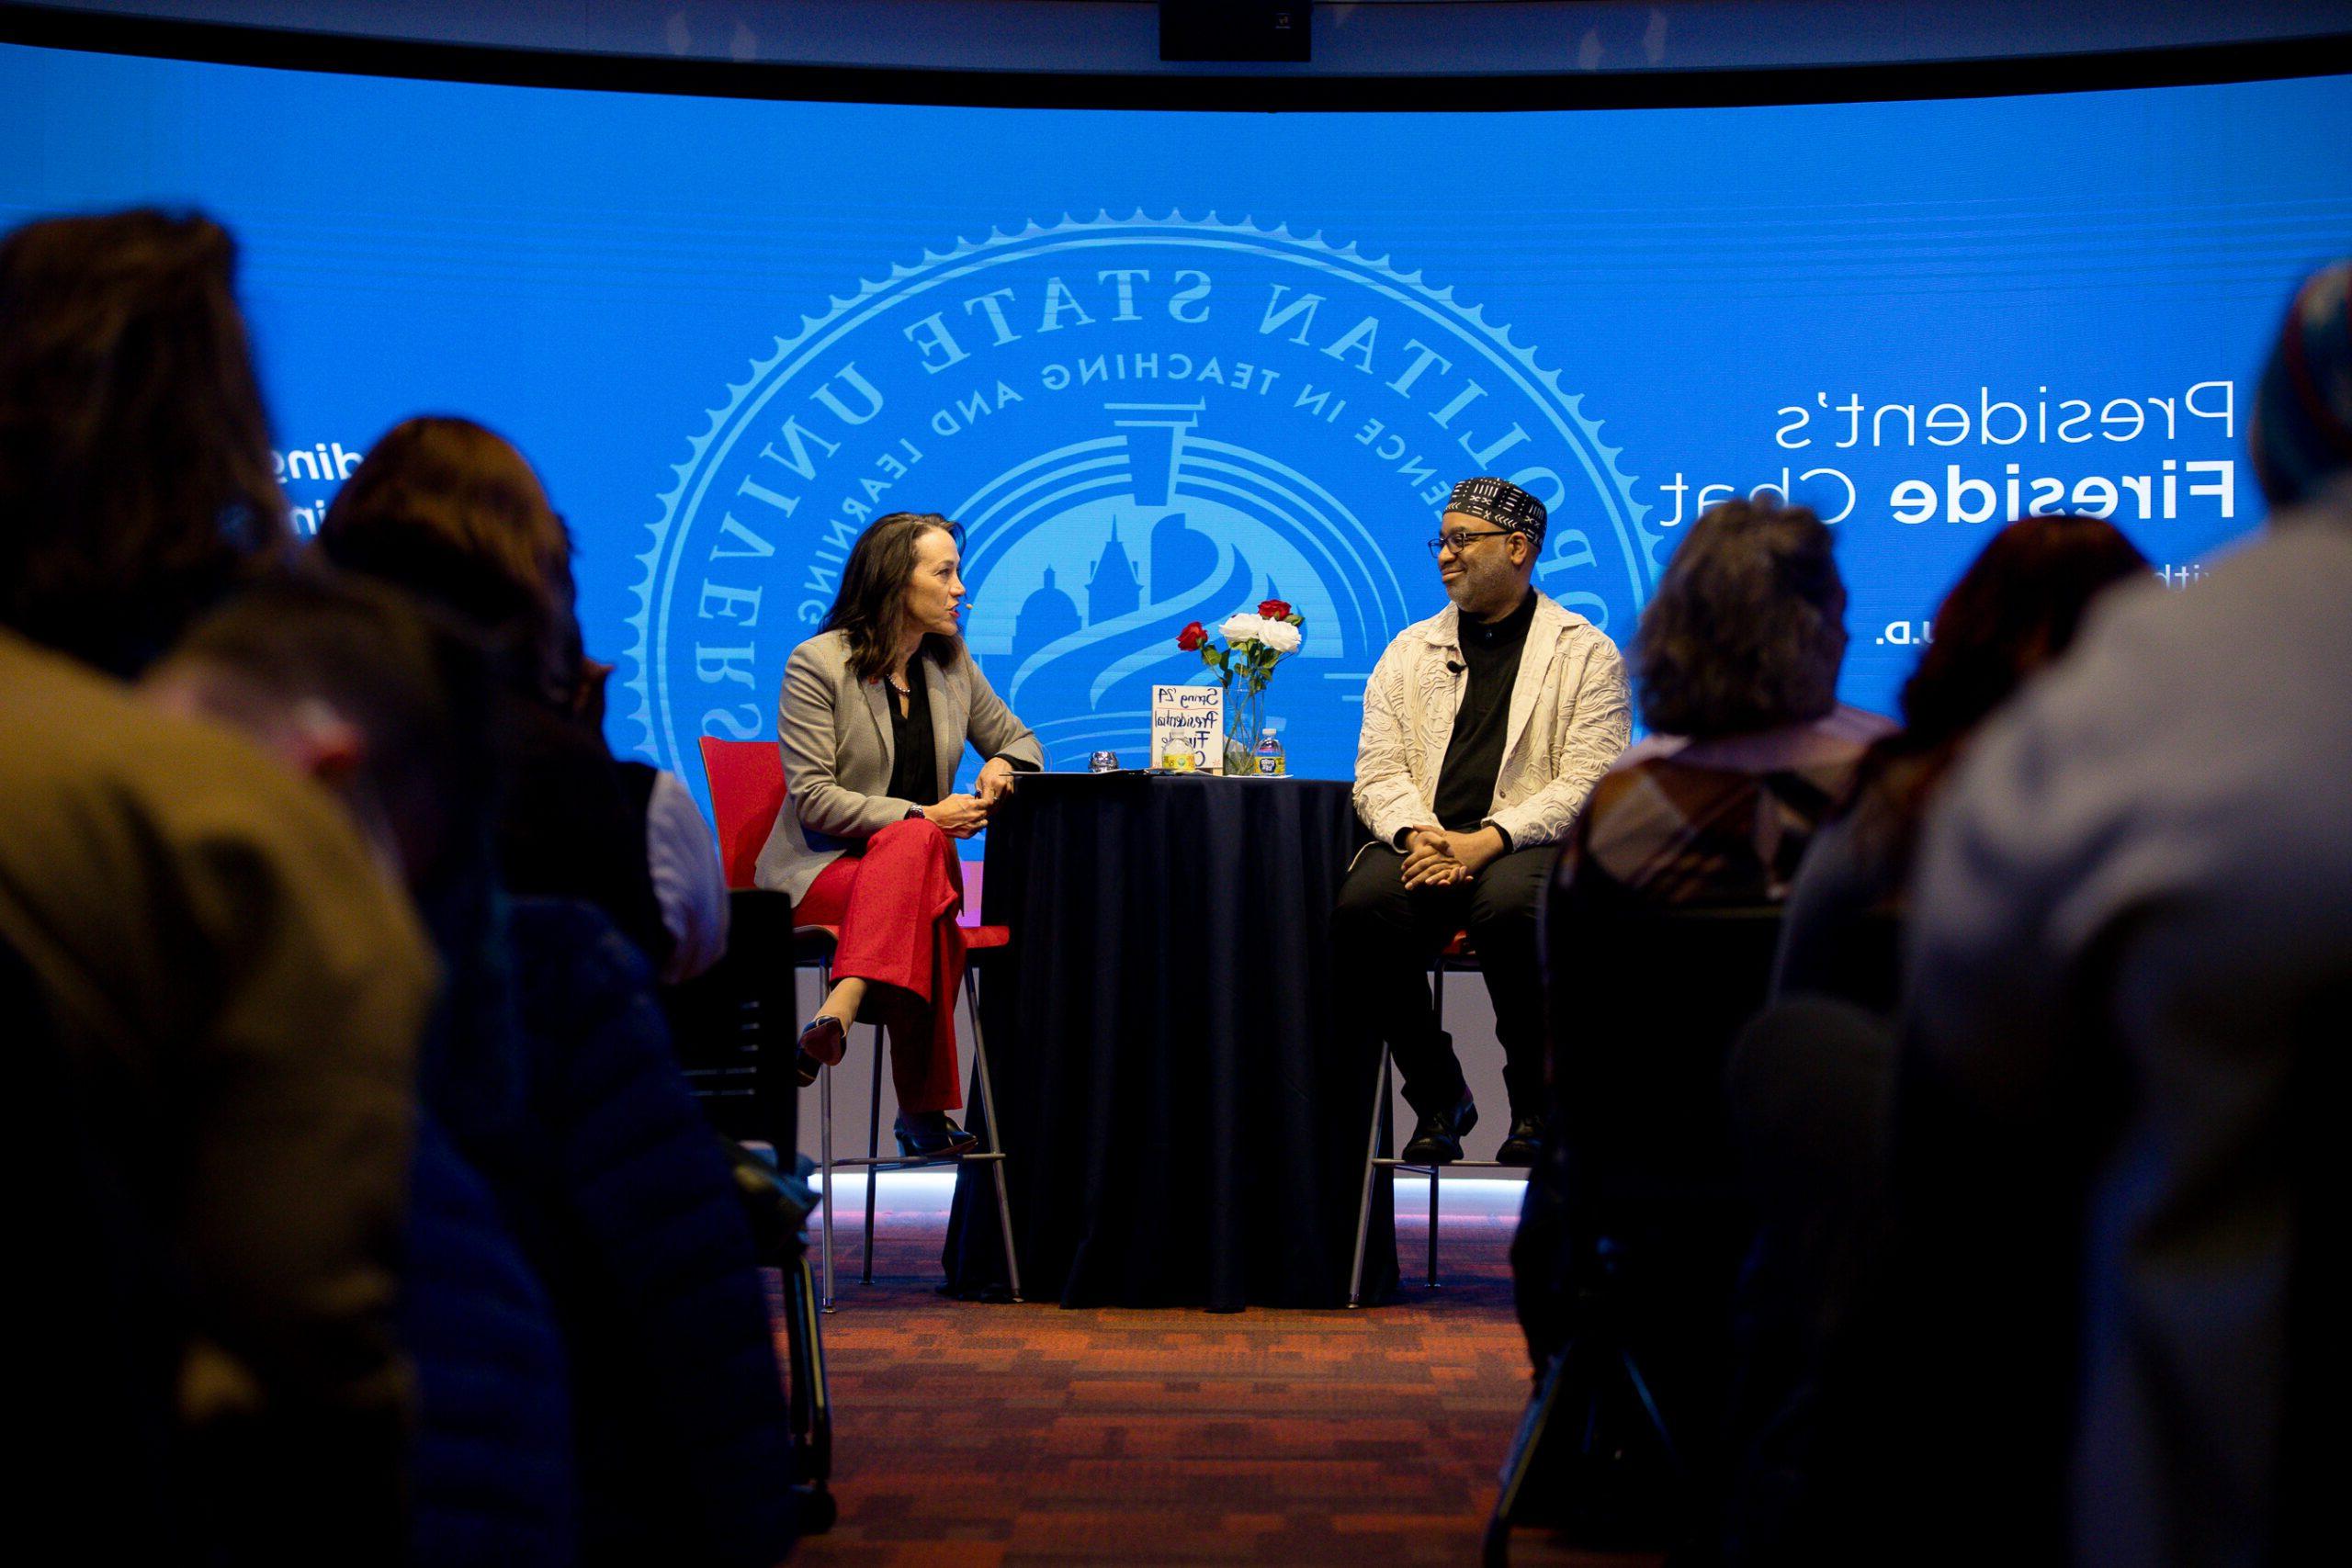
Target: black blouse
914, 767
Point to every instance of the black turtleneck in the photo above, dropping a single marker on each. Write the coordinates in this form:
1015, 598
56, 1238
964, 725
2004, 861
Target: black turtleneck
1474, 757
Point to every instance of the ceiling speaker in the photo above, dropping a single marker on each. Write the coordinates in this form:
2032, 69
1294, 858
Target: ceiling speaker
1233, 31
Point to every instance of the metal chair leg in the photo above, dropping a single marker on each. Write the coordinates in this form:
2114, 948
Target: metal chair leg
1434, 1187
988, 1123
1380, 1091
873, 1153
1437, 1005
825, 1145
1495, 1545
812, 1403
1649, 1407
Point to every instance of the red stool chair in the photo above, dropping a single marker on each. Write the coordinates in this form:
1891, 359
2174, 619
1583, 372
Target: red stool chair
747, 791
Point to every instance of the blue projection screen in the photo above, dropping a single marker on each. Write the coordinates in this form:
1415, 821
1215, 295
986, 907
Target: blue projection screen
1164, 365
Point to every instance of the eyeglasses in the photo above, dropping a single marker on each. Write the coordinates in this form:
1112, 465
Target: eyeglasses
1460, 539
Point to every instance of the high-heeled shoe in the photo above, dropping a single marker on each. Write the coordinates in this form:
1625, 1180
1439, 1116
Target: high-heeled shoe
929, 1134
823, 1042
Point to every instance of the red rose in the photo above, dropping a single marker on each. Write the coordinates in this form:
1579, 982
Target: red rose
1274, 609
1192, 636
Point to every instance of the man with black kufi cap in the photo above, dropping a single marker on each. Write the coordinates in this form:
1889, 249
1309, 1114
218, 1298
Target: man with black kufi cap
1484, 729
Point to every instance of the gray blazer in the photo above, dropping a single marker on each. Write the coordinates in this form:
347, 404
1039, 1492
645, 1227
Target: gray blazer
837, 751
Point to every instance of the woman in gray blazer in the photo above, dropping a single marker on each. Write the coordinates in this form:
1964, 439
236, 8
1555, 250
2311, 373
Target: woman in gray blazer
876, 712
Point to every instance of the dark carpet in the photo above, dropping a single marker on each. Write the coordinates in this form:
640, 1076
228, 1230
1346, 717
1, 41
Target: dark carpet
979, 1435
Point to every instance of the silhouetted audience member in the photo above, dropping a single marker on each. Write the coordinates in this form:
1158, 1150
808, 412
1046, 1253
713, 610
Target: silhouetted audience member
2132, 957
2013, 611
682, 856
234, 982
604, 1164
1811, 1082
101, 1384
1736, 667
450, 512
1736, 674
680, 851
135, 478
1807, 1092
346, 681
684, 1438
494, 1482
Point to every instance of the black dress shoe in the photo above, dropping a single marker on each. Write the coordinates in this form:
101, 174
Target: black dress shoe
823, 1042
929, 1134
1525, 1143
1436, 1138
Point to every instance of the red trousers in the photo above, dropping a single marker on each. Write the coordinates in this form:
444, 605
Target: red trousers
895, 906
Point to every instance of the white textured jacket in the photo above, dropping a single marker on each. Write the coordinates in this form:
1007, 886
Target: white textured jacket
1570, 718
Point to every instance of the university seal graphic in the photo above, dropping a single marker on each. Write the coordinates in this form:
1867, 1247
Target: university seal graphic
1140, 422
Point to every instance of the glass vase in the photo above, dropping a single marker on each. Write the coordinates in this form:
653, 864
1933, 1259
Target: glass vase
1244, 714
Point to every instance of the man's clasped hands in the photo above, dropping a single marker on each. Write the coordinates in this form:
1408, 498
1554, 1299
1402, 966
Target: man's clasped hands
1436, 857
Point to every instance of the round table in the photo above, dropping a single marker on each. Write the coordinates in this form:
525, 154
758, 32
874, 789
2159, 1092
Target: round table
1185, 1125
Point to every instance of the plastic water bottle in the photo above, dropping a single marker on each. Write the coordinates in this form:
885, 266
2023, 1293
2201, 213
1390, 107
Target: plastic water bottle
1270, 755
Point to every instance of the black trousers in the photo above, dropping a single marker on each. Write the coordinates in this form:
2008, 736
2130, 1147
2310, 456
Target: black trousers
1388, 934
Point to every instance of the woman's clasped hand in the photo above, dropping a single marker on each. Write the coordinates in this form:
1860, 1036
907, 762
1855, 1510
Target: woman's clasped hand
959, 816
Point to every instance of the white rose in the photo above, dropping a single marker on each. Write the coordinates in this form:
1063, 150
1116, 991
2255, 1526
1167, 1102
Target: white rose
1281, 636
1242, 627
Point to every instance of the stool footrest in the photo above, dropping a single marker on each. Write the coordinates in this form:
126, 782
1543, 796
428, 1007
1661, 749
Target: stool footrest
1419, 1169
911, 1162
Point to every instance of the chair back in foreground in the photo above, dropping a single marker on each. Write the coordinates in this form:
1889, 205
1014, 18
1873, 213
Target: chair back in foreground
1633, 1224
744, 1018
734, 1026
746, 780
1645, 1005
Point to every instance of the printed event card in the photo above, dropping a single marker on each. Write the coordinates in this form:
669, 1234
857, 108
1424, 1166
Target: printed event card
1188, 729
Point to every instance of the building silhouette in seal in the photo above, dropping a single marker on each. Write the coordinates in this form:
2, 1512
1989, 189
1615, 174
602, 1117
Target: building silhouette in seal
1116, 588
1099, 649
1046, 617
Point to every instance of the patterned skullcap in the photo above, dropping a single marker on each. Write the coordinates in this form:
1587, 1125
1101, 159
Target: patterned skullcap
2301, 433
1502, 503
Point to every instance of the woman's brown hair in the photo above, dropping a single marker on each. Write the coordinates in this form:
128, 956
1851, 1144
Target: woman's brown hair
136, 484
453, 513
2013, 612
1747, 628
873, 594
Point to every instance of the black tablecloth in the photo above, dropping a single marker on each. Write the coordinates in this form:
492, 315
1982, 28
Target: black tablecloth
1185, 1126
